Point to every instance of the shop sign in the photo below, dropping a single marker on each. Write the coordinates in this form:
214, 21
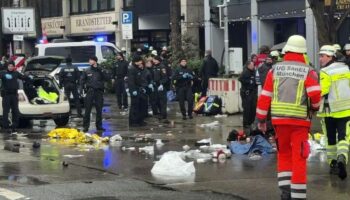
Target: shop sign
52, 26
93, 23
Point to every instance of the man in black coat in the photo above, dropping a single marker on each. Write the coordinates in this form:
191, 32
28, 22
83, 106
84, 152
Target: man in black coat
119, 74
209, 69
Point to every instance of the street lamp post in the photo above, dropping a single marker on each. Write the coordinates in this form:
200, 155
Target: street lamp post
226, 40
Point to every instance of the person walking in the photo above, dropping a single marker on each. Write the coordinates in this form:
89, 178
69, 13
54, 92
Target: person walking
292, 91
119, 74
69, 77
183, 78
9, 81
335, 110
137, 83
209, 69
93, 80
248, 95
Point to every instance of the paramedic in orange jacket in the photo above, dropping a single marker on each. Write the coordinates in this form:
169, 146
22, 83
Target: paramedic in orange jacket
293, 92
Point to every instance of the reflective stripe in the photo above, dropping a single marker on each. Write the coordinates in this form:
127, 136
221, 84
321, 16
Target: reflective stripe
298, 195
300, 92
283, 174
261, 112
285, 182
313, 88
316, 105
266, 93
298, 186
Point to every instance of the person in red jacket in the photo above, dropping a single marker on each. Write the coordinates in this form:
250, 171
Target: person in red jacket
292, 91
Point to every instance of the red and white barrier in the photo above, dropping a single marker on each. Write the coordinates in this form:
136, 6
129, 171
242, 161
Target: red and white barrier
228, 90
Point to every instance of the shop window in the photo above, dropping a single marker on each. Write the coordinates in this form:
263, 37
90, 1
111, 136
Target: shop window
112, 4
94, 5
90, 6
108, 52
51, 8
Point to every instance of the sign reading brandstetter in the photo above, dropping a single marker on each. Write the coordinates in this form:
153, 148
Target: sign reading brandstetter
93, 23
17, 20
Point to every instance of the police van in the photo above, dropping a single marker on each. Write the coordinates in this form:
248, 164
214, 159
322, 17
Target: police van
78, 51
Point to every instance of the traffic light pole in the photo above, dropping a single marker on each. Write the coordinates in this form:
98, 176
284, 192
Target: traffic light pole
226, 40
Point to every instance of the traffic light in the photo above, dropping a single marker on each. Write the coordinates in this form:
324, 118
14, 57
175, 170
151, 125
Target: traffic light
214, 15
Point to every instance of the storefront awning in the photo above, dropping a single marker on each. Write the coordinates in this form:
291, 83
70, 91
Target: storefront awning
277, 9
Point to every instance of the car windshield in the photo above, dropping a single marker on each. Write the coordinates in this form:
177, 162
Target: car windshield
47, 64
78, 54
108, 52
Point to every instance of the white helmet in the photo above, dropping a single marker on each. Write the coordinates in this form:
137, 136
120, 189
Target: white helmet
296, 44
154, 52
274, 53
347, 47
150, 48
328, 50
164, 48
337, 47
123, 49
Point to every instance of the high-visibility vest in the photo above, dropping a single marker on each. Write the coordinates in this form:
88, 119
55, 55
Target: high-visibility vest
289, 95
335, 81
49, 96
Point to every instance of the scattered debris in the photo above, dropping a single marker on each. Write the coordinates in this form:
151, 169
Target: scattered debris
159, 142
73, 156
186, 147
116, 137
128, 148
210, 125
147, 149
203, 142
220, 116
172, 165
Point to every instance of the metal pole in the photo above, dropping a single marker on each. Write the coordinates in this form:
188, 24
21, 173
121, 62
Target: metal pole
226, 41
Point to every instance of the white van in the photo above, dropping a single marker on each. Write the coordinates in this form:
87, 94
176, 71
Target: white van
78, 51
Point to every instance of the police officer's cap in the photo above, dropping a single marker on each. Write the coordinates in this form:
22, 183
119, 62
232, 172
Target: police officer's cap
93, 58
136, 58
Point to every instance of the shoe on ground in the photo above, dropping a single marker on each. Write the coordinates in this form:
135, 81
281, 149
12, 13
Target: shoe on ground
80, 116
134, 125
342, 167
286, 196
143, 124
85, 130
100, 129
184, 117
190, 117
334, 168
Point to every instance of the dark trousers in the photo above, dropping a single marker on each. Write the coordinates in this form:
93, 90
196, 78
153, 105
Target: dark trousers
10, 101
153, 101
185, 93
163, 100
334, 126
138, 104
72, 89
205, 83
122, 97
249, 100
93, 97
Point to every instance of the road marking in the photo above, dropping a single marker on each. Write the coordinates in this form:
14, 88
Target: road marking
8, 194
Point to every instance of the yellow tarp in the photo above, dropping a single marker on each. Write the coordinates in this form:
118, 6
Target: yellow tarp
73, 136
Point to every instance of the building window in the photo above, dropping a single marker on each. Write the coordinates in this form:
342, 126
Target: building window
128, 3
90, 6
51, 8
74, 6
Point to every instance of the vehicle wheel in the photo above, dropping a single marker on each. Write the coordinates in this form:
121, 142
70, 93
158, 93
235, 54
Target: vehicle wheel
24, 123
62, 121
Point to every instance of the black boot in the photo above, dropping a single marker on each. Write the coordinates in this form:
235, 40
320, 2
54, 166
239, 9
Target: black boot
342, 167
334, 168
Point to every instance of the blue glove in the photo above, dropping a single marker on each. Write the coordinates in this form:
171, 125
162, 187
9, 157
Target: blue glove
150, 86
189, 76
160, 88
184, 75
143, 90
134, 93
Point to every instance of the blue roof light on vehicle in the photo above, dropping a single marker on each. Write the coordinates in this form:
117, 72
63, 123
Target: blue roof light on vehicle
101, 39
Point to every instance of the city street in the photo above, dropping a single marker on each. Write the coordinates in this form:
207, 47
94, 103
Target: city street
116, 172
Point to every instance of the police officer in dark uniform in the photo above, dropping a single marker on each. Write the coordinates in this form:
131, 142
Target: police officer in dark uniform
183, 78
69, 77
249, 91
151, 92
162, 85
119, 73
93, 80
137, 83
9, 79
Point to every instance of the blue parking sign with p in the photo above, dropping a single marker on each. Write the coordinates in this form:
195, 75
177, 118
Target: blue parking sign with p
127, 17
